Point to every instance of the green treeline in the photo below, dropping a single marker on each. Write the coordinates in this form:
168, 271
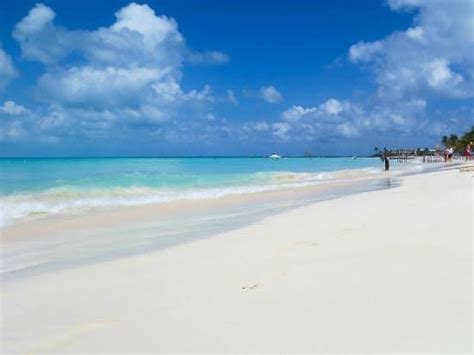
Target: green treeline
459, 143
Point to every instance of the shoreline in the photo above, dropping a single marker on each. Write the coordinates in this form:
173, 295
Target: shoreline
28, 206
337, 275
23, 224
52, 242
148, 228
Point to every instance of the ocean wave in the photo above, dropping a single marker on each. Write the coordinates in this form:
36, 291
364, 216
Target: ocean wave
71, 199
289, 177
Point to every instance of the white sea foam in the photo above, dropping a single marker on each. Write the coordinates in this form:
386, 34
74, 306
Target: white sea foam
74, 199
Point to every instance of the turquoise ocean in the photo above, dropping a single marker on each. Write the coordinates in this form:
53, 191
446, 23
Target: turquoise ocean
43, 188
62, 185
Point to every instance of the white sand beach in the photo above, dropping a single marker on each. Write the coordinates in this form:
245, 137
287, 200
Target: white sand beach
382, 271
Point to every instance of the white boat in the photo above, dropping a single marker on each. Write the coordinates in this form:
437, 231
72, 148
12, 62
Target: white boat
274, 156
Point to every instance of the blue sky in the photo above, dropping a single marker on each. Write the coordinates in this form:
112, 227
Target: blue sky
195, 77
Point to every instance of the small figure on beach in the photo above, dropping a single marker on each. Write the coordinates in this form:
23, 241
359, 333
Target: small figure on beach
467, 151
448, 154
386, 162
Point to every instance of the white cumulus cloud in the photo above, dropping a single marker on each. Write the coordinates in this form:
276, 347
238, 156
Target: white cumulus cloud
432, 57
295, 113
440, 75
7, 69
270, 94
342, 118
129, 71
415, 33
332, 107
363, 51
11, 108
88, 84
281, 130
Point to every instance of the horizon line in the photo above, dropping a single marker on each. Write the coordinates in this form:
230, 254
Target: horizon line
183, 156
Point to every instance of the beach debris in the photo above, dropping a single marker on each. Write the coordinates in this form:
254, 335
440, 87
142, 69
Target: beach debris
250, 287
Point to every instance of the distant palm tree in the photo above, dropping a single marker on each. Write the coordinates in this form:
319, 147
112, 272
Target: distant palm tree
452, 140
458, 143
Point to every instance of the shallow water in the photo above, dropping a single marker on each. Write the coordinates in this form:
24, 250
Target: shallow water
67, 185
242, 191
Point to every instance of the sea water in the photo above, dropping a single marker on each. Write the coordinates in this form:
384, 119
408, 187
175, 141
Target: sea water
62, 185
68, 186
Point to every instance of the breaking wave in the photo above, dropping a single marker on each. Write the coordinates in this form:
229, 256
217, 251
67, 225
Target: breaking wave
68, 199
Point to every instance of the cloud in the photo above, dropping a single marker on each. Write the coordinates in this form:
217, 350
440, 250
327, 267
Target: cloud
211, 57
200, 95
270, 94
36, 21
404, 4
123, 60
142, 19
13, 109
342, 118
332, 107
295, 113
440, 75
211, 117
88, 84
259, 126
136, 60
40, 39
12, 121
363, 51
347, 130
126, 75
7, 69
429, 61
281, 130
11, 131
125, 80
231, 97
415, 33
433, 57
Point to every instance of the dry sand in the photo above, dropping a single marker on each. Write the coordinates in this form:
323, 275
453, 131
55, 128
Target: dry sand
383, 271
